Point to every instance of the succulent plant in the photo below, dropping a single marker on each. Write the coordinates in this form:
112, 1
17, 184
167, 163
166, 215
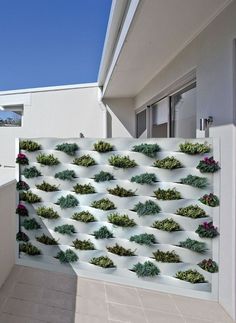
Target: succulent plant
30, 197
103, 233
66, 175
191, 276
143, 239
83, 244
102, 146
31, 172
147, 208
22, 186
84, 189
121, 220
69, 149
147, 269
193, 245
31, 224
166, 256
22, 210
103, 177
103, 204
21, 159
120, 251
120, 191
146, 178
21, 236
67, 201
46, 187
209, 265
102, 261
65, 229
47, 160
29, 145
194, 148
121, 161
84, 160
192, 211
29, 249
167, 225
210, 200
149, 150
208, 165
46, 240
47, 213
169, 194
67, 256
195, 181
168, 163
207, 230
83, 216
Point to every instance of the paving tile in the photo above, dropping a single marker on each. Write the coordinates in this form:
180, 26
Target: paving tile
157, 301
122, 295
27, 292
20, 307
91, 288
84, 318
58, 299
91, 306
13, 277
8, 318
161, 317
125, 313
201, 309
54, 314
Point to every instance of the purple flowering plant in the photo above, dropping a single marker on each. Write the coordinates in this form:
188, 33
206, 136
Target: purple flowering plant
22, 210
209, 265
210, 200
22, 159
208, 165
207, 230
22, 186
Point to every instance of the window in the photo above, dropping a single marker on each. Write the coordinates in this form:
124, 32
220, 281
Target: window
11, 115
141, 124
160, 119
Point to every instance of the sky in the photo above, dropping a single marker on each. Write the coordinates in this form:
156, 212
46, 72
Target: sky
51, 42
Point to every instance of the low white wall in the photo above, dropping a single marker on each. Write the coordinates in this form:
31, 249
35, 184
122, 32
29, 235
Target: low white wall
8, 227
52, 113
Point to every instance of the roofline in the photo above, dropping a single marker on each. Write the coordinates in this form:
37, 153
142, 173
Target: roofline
49, 88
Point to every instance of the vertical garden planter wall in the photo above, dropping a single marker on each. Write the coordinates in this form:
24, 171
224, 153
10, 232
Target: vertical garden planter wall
141, 212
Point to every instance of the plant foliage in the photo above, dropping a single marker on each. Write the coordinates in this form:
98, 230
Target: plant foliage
69, 149
29, 249
168, 256
31, 224
84, 160
30, 197
66, 175
194, 148
168, 163
121, 251
207, 230
103, 233
83, 216
210, 200
29, 145
84, 189
147, 269
31, 172
209, 265
103, 204
65, 229
120, 191
22, 210
208, 165
102, 261
191, 276
195, 181
193, 245
121, 220
169, 194
67, 201
147, 208
47, 213
121, 161
83, 244
21, 236
103, 177
143, 239
21, 159
47, 160
167, 225
67, 256
102, 146
192, 211
149, 150
146, 178
47, 240
22, 186
46, 187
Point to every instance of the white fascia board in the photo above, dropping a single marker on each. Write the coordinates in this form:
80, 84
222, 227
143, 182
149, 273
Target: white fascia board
127, 23
50, 88
117, 12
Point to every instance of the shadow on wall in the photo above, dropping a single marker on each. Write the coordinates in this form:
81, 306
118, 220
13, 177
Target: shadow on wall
120, 117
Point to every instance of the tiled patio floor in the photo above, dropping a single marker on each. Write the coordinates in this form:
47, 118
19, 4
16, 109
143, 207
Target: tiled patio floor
33, 296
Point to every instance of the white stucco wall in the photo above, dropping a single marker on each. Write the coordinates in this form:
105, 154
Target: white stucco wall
53, 113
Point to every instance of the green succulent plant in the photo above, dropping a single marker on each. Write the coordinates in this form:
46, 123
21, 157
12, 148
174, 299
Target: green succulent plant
30, 197
143, 239
193, 245
46, 187
31, 224
103, 204
120, 251
149, 150
47, 160
47, 213
69, 149
121, 220
29, 145
21, 236
194, 148
29, 249
146, 178
195, 181
103, 233
103, 177
168, 163
84, 160
209, 265
168, 256
167, 225
31, 172
191, 276
84, 189
46, 240
67, 201
120, 191
67, 256
147, 269
103, 262
65, 229
192, 211
83, 244
147, 208
121, 161
83, 216
169, 194
66, 175
102, 146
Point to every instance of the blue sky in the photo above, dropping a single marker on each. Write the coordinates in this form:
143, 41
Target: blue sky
51, 42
